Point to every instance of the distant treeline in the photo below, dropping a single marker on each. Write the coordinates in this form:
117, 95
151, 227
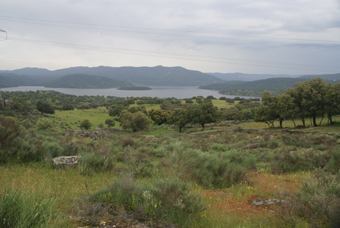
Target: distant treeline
62, 101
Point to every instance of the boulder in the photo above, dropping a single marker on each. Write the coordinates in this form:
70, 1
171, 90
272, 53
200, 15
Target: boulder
66, 161
260, 201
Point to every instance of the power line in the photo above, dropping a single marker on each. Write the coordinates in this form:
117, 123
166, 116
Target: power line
182, 56
4, 32
184, 33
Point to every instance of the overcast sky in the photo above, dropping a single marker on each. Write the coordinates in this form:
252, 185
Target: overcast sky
249, 36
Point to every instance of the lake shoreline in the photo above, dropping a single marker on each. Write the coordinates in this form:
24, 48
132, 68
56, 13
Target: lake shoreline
179, 92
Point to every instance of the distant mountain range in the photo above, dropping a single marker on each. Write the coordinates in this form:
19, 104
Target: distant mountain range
249, 77
145, 76
112, 77
273, 85
86, 81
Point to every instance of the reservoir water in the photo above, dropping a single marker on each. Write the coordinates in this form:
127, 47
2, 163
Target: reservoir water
179, 92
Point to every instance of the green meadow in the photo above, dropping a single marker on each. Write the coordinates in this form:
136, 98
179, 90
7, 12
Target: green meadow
234, 173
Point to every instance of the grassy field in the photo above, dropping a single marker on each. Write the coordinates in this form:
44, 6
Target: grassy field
226, 167
225, 207
73, 118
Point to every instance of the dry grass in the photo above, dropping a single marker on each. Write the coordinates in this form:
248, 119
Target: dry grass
228, 209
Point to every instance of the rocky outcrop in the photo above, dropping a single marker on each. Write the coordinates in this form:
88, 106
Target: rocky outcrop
65, 162
260, 201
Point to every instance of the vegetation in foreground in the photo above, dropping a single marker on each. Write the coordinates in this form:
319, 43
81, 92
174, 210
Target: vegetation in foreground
161, 177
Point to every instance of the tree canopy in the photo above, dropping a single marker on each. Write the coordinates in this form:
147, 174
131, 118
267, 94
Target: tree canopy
45, 107
137, 121
311, 99
203, 113
178, 118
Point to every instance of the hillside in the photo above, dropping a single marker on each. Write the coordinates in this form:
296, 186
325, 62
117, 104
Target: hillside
85, 81
256, 88
330, 77
145, 76
248, 77
6, 81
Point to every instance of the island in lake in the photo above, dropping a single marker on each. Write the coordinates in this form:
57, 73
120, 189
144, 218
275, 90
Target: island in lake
134, 88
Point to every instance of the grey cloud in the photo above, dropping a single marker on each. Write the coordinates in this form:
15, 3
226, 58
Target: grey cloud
256, 23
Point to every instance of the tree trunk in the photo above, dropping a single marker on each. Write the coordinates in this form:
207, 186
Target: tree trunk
330, 120
321, 120
180, 129
281, 120
303, 122
203, 126
314, 121
294, 123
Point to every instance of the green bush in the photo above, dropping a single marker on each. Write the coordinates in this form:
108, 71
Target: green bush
23, 209
44, 123
9, 130
96, 162
110, 122
169, 200
45, 107
301, 141
291, 161
85, 124
317, 204
205, 168
238, 129
52, 150
333, 164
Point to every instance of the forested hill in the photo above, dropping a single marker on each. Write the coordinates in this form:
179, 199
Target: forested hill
333, 77
85, 81
249, 77
256, 88
6, 81
146, 76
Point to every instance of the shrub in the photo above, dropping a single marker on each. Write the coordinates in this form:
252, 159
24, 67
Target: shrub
44, 123
85, 124
291, 161
95, 162
110, 122
67, 107
207, 169
26, 123
45, 107
127, 141
9, 130
52, 150
83, 106
333, 164
19, 208
267, 136
301, 141
238, 129
166, 199
317, 204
